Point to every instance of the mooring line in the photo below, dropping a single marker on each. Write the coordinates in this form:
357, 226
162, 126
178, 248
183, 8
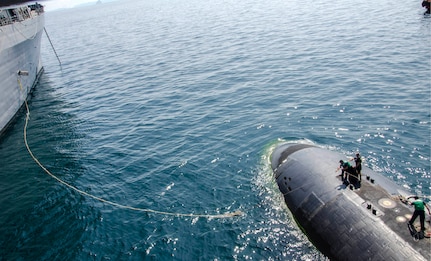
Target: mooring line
49, 39
225, 215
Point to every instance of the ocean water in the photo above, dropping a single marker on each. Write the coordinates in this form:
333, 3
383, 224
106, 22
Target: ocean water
174, 106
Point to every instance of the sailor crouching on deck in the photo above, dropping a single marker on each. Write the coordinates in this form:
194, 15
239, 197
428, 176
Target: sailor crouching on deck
351, 174
419, 211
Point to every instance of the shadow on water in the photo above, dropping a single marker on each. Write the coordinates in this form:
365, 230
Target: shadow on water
35, 207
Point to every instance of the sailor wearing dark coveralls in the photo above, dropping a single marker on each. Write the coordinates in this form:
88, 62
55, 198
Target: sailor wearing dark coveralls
358, 165
427, 5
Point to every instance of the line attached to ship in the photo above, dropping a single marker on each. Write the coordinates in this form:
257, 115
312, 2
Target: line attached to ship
209, 216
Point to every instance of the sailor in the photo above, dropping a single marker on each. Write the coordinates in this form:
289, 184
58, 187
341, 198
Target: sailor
342, 169
358, 165
419, 211
426, 4
346, 168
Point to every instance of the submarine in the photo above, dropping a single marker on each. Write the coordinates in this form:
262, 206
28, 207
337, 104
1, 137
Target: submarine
364, 219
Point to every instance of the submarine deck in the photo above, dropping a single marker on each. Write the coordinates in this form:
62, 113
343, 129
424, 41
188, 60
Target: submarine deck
393, 212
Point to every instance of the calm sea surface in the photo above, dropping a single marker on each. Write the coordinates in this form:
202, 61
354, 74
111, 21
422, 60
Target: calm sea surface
174, 106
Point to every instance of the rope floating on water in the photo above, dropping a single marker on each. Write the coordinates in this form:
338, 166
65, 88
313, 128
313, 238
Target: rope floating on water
224, 215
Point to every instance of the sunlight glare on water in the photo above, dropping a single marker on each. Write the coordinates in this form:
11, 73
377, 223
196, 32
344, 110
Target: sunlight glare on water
176, 106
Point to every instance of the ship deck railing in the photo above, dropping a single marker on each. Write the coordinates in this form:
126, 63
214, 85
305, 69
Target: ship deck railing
13, 15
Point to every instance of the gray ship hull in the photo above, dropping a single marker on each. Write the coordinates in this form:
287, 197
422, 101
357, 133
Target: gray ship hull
346, 222
20, 65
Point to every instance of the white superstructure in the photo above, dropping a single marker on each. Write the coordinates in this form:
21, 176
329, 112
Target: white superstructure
21, 29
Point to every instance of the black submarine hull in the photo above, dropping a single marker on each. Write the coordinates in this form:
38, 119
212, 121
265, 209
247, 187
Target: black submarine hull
367, 221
